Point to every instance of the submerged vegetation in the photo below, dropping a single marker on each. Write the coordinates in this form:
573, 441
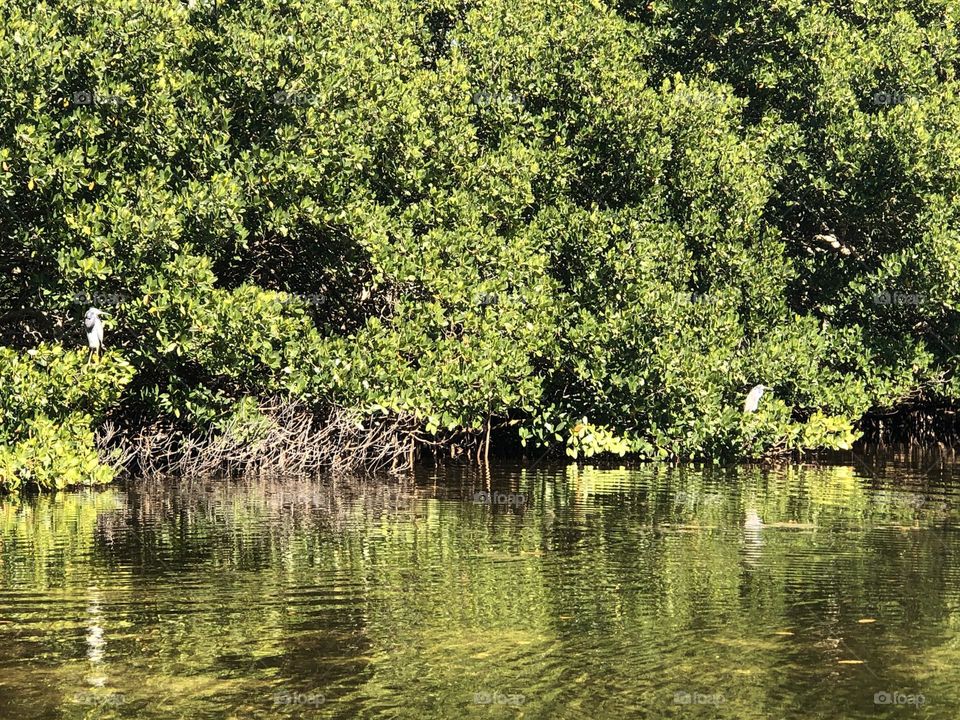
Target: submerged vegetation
414, 599
581, 224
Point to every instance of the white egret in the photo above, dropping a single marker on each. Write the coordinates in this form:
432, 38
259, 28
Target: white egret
94, 327
753, 398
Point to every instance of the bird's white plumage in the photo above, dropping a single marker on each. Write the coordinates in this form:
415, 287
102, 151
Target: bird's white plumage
753, 398
94, 327
95, 336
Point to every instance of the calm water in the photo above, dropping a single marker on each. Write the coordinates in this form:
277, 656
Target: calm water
586, 593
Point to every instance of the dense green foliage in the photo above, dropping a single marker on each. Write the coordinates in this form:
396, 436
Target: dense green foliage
49, 401
604, 222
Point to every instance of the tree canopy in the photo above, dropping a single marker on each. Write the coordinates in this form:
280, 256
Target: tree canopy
601, 222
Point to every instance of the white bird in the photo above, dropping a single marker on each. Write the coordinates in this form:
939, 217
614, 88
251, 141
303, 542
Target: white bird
753, 398
94, 327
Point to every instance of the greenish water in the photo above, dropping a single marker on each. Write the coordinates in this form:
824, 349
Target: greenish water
587, 593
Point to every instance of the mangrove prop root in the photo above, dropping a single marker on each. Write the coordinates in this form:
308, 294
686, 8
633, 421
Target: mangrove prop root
292, 440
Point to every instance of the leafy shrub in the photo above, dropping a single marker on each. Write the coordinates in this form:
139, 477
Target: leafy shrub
53, 454
50, 399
